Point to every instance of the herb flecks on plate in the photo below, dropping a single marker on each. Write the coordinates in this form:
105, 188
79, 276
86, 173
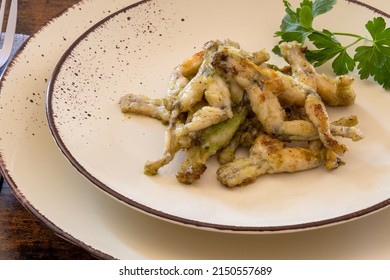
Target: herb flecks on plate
371, 59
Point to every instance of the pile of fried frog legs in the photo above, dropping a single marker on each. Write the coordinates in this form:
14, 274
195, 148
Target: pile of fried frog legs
224, 98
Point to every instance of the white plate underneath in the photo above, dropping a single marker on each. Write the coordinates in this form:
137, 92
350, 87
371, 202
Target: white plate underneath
50, 187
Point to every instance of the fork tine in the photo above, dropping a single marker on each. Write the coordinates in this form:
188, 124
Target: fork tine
9, 32
2, 9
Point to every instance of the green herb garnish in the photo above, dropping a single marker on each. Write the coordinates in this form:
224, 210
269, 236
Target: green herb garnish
371, 59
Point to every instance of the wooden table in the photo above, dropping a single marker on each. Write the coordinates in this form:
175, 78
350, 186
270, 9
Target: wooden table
22, 235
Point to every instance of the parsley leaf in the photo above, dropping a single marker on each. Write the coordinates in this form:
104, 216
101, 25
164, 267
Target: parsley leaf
329, 48
297, 25
322, 6
292, 27
372, 60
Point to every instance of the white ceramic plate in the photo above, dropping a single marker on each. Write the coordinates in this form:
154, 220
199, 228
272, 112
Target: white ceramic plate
135, 50
50, 187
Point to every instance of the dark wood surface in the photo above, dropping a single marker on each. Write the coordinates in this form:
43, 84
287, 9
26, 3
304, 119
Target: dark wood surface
22, 235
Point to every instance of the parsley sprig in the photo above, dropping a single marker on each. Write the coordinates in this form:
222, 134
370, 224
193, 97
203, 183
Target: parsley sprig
371, 59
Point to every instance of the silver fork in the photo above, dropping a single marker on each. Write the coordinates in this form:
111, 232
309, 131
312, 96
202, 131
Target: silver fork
6, 48
9, 35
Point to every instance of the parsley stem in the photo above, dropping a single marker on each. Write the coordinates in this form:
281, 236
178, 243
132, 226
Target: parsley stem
350, 35
358, 38
354, 43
